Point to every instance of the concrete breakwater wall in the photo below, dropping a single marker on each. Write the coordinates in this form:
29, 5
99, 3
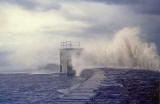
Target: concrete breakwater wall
116, 86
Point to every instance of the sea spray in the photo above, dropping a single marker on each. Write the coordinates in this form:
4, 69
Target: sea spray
125, 50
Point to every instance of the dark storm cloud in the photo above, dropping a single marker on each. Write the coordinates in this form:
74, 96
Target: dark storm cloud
125, 1
25, 3
141, 6
31, 4
100, 31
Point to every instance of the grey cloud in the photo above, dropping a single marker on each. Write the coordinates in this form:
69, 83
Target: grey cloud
150, 26
141, 6
31, 4
25, 3
123, 1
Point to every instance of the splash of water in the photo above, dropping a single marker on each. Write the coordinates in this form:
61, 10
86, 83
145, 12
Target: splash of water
125, 50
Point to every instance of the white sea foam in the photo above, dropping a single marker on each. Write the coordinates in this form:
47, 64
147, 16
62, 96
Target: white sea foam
125, 50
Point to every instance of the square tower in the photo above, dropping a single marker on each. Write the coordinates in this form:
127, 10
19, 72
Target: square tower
68, 49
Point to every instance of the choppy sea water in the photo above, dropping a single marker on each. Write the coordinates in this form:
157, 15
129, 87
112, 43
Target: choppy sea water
102, 86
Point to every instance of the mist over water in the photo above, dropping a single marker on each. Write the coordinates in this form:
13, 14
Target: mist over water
126, 49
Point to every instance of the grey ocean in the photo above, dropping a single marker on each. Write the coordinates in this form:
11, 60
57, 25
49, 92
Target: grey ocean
94, 86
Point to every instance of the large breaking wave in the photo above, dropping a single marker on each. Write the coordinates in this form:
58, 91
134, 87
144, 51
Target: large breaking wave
125, 50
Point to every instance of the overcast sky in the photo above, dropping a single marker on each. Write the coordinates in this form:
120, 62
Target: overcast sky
30, 30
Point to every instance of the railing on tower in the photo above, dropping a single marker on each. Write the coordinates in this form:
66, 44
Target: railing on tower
70, 44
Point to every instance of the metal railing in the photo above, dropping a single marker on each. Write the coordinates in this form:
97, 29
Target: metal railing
70, 44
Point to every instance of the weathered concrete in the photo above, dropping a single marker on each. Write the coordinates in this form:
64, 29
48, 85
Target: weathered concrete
66, 59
